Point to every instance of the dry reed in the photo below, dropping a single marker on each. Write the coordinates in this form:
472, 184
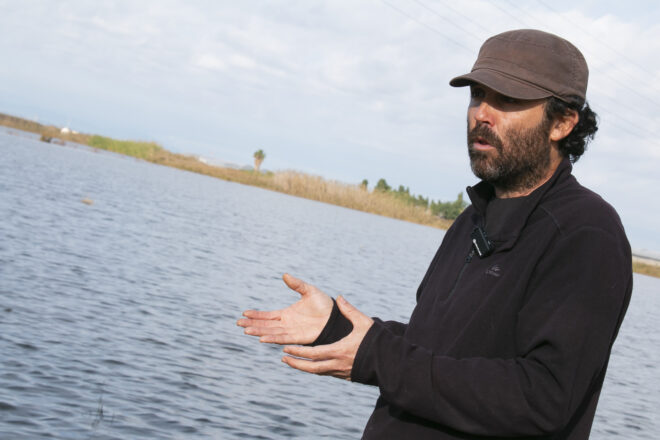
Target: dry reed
652, 270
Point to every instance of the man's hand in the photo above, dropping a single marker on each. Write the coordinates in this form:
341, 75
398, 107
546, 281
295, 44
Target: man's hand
300, 323
334, 359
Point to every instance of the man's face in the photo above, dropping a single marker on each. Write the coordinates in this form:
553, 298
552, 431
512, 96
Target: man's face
508, 139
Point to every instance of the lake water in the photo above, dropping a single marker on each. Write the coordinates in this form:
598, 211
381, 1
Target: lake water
117, 318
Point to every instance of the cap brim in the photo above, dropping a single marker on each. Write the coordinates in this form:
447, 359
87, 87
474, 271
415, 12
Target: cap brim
504, 84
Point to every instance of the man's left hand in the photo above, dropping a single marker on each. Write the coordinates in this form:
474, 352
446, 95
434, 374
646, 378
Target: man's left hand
333, 359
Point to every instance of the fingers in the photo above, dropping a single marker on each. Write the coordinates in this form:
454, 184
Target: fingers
271, 335
318, 353
323, 368
259, 323
262, 331
270, 332
279, 339
296, 284
256, 314
265, 332
262, 328
266, 325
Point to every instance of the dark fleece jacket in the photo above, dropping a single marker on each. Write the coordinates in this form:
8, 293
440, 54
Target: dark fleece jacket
512, 345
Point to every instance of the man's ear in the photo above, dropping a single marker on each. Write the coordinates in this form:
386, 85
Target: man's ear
563, 125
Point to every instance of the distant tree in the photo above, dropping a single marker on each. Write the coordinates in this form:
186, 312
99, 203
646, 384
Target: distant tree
403, 190
365, 184
421, 201
382, 186
449, 210
259, 157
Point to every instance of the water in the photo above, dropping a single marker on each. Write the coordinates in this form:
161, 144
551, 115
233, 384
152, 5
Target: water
117, 319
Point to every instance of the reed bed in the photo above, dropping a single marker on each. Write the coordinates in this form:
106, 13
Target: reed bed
652, 270
310, 187
354, 197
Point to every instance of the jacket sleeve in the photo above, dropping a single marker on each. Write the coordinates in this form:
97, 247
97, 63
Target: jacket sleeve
573, 309
338, 327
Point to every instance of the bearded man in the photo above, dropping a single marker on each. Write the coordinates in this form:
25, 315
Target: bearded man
517, 313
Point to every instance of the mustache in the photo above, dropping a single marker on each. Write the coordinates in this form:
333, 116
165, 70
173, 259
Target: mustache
484, 133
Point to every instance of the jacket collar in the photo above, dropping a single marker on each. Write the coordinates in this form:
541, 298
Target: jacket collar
505, 237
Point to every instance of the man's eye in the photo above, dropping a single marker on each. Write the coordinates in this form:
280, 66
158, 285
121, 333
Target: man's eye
509, 100
477, 93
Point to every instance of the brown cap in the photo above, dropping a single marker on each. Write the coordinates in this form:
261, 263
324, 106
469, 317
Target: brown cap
529, 64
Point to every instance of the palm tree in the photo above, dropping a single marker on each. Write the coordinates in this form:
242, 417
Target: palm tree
259, 157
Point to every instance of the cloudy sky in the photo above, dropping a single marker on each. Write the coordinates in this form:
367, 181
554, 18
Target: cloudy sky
345, 89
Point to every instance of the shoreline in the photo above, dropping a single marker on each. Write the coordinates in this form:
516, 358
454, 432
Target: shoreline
294, 183
352, 196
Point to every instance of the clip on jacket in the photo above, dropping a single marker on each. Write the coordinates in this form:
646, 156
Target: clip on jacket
481, 243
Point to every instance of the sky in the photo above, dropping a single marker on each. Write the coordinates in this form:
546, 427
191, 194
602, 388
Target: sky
344, 89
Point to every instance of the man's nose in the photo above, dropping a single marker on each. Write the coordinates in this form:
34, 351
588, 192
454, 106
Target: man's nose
483, 113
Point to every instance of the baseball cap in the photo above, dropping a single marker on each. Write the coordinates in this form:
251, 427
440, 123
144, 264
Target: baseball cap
529, 64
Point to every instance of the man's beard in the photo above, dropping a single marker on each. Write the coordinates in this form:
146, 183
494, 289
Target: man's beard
521, 159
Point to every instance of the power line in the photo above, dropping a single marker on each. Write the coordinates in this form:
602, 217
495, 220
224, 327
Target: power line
517, 8
458, 12
432, 29
479, 39
622, 116
615, 120
605, 72
595, 38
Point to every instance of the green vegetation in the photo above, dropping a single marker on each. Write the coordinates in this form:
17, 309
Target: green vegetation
445, 210
382, 186
449, 210
142, 150
259, 157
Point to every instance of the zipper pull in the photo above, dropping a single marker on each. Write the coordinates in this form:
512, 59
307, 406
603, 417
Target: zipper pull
469, 256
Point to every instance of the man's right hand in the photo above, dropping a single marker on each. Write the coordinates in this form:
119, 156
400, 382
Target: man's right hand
300, 323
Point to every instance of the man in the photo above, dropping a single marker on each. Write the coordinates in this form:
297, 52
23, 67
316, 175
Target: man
517, 313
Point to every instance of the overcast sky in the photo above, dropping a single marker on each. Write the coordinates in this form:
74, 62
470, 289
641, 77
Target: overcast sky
345, 89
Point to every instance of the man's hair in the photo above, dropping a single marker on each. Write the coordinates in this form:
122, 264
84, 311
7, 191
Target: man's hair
574, 145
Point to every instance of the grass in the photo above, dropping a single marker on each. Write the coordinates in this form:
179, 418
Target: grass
289, 182
652, 270
142, 150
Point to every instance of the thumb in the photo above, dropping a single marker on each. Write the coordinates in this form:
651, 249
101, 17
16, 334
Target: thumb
296, 284
348, 310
